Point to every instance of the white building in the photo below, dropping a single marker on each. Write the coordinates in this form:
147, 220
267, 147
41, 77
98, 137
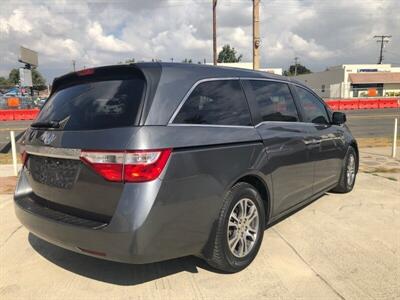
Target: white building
249, 65
348, 81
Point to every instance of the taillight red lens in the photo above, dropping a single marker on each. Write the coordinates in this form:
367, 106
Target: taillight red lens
85, 72
145, 165
128, 166
106, 163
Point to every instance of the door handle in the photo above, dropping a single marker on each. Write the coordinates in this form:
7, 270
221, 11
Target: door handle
312, 142
317, 142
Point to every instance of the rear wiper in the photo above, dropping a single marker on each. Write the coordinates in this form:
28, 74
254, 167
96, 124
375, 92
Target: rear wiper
49, 124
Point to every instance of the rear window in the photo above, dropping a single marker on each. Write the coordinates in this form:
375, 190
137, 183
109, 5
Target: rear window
95, 104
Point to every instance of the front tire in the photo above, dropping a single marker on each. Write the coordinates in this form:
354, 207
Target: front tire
349, 173
239, 231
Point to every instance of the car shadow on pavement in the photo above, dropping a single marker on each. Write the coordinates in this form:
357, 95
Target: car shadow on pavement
114, 272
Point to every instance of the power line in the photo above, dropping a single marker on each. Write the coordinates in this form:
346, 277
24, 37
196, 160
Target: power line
383, 39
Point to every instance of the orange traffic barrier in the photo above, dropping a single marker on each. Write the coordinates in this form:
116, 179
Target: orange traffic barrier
368, 104
363, 103
388, 103
6, 115
18, 114
348, 104
25, 114
333, 104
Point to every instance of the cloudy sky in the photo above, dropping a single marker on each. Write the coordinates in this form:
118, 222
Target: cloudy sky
320, 32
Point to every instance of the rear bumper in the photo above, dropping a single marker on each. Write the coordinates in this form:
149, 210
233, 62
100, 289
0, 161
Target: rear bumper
137, 232
113, 246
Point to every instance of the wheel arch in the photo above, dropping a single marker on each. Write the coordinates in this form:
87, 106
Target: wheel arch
262, 188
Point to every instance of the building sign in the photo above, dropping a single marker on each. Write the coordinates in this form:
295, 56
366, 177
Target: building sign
368, 70
25, 77
28, 56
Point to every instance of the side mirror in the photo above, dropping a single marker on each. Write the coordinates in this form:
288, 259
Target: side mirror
338, 118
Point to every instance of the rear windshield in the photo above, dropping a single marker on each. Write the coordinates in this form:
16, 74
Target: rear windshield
97, 104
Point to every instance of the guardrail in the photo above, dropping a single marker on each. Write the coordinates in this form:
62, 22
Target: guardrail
363, 103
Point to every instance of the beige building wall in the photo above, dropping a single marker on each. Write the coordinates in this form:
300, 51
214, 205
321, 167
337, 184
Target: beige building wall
326, 84
336, 79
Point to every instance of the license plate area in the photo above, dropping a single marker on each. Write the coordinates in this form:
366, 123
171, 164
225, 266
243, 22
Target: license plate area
55, 172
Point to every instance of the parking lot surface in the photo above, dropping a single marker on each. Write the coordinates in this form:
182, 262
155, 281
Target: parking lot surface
342, 246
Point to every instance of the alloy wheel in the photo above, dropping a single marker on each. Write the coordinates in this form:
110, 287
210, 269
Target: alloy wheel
243, 228
351, 170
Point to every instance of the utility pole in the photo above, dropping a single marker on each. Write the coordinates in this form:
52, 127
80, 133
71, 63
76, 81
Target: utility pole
382, 39
256, 34
296, 60
215, 32
73, 64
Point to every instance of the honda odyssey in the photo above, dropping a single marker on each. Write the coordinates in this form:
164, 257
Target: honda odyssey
151, 161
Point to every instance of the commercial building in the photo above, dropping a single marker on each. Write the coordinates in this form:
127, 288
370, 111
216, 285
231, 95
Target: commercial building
355, 80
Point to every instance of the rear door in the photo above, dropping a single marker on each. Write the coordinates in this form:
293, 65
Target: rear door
326, 147
285, 140
95, 110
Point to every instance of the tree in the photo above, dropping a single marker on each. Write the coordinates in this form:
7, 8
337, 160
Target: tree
13, 77
37, 79
228, 55
300, 70
188, 61
4, 83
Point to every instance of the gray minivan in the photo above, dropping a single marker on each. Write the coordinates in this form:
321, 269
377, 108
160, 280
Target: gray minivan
152, 161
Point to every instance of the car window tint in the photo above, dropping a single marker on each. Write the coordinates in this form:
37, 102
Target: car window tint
274, 100
95, 105
314, 110
219, 102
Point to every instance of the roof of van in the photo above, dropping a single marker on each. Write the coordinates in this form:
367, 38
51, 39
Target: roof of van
211, 70
167, 83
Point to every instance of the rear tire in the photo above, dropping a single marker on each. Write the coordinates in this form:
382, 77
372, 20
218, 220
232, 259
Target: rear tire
349, 172
239, 231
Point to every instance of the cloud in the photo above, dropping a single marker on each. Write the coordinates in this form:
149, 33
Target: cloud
93, 33
106, 42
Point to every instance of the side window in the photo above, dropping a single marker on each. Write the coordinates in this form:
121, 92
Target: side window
274, 100
314, 110
219, 102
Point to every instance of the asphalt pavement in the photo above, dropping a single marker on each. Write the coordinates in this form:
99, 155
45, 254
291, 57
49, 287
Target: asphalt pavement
372, 122
362, 123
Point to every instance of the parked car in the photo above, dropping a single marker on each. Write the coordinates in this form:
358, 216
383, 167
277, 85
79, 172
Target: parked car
152, 161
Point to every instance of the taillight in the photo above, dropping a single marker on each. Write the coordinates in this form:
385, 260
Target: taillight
127, 166
110, 165
85, 72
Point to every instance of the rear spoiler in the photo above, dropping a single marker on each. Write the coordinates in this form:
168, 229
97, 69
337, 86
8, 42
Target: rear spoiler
94, 74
